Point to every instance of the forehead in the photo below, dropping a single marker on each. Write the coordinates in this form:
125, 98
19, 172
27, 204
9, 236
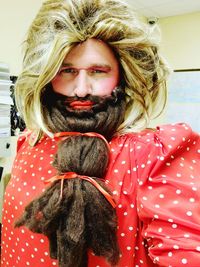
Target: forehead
92, 51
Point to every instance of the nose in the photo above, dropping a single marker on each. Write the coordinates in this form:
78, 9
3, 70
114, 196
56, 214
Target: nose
83, 86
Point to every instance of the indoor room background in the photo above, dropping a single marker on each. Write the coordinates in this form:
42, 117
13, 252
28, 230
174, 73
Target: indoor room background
180, 45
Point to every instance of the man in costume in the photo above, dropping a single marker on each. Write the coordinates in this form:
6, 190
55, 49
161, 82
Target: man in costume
91, 184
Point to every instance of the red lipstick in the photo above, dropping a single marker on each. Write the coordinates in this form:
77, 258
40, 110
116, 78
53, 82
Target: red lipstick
81, 104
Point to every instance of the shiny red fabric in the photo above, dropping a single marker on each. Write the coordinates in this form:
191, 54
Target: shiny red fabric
155, 178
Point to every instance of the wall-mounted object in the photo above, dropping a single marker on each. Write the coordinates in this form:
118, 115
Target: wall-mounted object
184, 98
17, 123
5, 106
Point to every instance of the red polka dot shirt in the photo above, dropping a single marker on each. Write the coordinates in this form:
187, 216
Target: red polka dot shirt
155, 179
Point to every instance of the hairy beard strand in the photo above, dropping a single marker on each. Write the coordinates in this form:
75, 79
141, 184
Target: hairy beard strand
104, 117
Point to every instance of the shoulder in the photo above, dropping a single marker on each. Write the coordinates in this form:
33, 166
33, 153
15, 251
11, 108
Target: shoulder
172, 132
164, 139
31, 139
175, 137
169, 134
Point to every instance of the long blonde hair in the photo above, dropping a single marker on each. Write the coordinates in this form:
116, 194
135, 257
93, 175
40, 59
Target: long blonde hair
62, 24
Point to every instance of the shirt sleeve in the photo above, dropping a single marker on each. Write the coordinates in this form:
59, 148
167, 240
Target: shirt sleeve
169, 195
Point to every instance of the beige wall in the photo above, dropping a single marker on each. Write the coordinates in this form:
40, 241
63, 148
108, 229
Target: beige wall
15, 18
181, 40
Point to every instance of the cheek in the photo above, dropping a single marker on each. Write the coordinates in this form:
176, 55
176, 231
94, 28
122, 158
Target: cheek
107, 86
58, 85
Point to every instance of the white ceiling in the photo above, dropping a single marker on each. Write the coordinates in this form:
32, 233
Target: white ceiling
164, 8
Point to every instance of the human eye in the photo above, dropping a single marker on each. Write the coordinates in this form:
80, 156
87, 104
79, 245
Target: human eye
68, 70
98, 70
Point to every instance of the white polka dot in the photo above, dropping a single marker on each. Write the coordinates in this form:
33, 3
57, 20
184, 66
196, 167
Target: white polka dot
178, 191
189, 213
194, 189
184, 261
186, 235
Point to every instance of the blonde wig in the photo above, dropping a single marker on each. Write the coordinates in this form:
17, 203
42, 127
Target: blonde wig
62, 24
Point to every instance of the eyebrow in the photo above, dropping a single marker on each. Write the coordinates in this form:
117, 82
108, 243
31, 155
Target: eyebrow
103, 66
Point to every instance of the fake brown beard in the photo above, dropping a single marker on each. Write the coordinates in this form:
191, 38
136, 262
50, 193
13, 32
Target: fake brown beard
82, 219
104, 117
